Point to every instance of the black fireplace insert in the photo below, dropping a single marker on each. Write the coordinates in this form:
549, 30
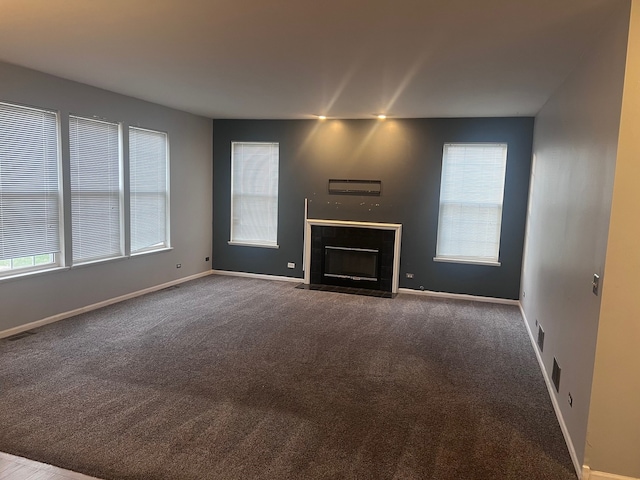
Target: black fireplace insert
352, 257
351, 263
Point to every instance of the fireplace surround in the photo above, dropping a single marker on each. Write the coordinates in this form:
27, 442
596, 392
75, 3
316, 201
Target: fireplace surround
361, 255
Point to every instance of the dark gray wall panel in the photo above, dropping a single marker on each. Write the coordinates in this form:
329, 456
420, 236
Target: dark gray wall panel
406, 155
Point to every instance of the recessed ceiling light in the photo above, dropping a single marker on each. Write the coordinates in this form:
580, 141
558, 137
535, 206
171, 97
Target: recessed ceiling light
322, 117
381, 116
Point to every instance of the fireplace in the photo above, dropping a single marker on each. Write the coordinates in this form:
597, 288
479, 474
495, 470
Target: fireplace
355, 255
358, 264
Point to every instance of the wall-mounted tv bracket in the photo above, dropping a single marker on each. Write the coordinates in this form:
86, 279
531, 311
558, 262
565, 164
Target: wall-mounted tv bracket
355, 187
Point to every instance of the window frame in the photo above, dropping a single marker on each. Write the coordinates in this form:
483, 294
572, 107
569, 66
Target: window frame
63, 192
31, 269
121, 195
246, 243
58, 257
167, 240
472, 260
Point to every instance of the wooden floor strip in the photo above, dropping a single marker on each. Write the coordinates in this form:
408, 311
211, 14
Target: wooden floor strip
18, 468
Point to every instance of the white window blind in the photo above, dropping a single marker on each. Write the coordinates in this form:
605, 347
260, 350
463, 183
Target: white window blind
149, 193
471, 194
254, 193
96, 187
29, 183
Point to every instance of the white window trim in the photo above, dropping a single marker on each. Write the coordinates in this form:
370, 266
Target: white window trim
273, 245
469, 261
96, 261
32, 273
60, 264
248, 244
473, 260
167, 244
147, 252
121, 195
19, 272
59, 258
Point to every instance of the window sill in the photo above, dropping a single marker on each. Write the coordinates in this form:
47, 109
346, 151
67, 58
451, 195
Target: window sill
39, 271
98, 261
148, 252
468, 261
247, 244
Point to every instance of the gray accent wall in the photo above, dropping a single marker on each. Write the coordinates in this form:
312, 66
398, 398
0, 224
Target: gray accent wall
575, 148
38, 296
406, 155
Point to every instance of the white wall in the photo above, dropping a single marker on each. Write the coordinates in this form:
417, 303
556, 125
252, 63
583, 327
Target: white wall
613, 440
575, 143
27, 299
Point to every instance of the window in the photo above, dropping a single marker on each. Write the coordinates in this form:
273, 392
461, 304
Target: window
148, 189
96, 189
32, 210
254, 194
471, 194
30, 197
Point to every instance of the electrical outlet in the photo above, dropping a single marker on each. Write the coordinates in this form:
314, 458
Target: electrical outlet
595, 285
570, 400
178, 265
409, 275
291, 265
524, 294
206, 259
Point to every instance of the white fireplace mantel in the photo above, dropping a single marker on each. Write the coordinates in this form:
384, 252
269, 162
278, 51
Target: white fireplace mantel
396, 227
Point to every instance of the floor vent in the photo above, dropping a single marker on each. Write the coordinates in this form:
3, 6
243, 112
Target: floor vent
20, 336
540, 338
555, 375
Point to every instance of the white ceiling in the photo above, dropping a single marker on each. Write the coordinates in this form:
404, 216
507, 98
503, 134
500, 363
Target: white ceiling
297, 58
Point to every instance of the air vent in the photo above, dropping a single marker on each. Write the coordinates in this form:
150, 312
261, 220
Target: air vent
540, 338
20, 336
555, 375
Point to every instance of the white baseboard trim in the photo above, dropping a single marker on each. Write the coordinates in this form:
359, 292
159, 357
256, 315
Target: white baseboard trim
556, 407
261, 276
459, 296
95, 306
456, 296
588, 474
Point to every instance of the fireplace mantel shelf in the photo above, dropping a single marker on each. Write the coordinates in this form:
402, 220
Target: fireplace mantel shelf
350, 223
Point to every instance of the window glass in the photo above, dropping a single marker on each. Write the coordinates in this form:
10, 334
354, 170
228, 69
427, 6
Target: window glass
254, 193
149, 192
471, 195
96, 189
30, 196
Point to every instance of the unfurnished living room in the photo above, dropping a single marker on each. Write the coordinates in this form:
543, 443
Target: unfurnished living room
319, 240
